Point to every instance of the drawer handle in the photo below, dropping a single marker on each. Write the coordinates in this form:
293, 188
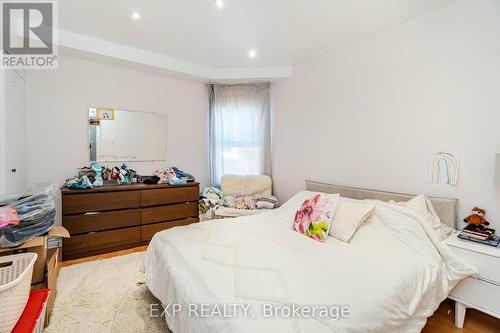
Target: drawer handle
91, 233
92, 213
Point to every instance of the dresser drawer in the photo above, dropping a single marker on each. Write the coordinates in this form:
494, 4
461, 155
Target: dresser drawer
479, 294
148, 231
98, 221
94, 202
101, 242
170, 195
170, 212
488, 266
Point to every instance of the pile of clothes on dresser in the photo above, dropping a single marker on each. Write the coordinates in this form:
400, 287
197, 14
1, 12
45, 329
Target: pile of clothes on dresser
27, 215
213, 198
97, 175
172, 176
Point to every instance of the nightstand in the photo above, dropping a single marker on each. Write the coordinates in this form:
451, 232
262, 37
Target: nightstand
480, 292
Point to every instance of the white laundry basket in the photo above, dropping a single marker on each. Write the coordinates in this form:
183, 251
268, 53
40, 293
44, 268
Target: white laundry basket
15, 282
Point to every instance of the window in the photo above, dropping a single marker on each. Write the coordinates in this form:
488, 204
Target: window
239, 130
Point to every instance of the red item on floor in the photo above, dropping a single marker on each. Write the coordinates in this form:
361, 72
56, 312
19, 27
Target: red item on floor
32, 313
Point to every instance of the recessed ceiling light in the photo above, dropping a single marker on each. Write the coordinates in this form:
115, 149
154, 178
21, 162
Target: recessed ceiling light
252, 53
220, 3
136, 16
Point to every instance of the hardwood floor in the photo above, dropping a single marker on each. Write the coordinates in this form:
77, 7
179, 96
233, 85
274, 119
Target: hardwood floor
441, 322
103, 256
475, 322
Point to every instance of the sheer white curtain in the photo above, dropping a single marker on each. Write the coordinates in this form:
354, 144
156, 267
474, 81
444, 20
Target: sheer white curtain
239, 130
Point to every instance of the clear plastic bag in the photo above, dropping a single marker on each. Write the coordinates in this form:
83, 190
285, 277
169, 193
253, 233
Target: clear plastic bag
27, 215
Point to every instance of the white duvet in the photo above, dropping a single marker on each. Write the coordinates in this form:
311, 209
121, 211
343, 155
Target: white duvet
392, 276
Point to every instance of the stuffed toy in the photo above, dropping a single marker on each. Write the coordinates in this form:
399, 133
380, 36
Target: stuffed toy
477, 219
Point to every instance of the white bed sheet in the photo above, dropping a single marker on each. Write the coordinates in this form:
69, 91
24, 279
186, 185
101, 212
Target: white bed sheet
393, 275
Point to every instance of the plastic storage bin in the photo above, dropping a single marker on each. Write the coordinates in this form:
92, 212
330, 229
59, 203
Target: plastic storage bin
15, 283
33, 318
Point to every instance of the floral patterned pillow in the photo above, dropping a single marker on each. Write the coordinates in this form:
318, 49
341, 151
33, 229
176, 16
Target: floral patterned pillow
314, 217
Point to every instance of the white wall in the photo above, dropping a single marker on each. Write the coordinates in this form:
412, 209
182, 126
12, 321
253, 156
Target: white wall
58, 102
13, 127
2, 133
368, 114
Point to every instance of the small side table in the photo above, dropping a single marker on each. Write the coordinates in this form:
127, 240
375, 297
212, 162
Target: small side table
480, 292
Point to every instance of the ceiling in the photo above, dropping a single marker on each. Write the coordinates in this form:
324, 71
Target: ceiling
283, 32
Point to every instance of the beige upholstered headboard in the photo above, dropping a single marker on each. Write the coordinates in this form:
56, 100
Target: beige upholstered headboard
445, 208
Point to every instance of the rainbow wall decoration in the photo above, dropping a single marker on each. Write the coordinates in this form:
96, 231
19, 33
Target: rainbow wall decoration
443, 168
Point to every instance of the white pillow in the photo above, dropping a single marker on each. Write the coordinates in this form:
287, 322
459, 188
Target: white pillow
349, 216
423, 206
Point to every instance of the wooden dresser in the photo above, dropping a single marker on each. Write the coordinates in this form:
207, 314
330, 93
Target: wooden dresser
117, 217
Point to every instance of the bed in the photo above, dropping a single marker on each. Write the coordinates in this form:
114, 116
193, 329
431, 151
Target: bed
391, 276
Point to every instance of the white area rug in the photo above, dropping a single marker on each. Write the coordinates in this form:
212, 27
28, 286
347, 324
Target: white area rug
105, 296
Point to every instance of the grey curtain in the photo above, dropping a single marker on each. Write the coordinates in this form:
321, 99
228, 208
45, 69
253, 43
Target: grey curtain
239, 130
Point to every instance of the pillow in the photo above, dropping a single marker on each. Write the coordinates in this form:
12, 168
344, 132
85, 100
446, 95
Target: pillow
314, 216
349, 216
286, 212
423, 207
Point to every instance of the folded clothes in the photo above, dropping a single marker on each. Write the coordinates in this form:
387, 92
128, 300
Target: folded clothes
215, 196
257, 201
176, 181
265, 205
240, 201
270, 200
212, 197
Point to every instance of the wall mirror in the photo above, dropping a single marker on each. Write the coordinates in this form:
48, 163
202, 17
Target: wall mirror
125, 136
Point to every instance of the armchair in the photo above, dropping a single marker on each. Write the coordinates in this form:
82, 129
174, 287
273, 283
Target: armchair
246, 186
